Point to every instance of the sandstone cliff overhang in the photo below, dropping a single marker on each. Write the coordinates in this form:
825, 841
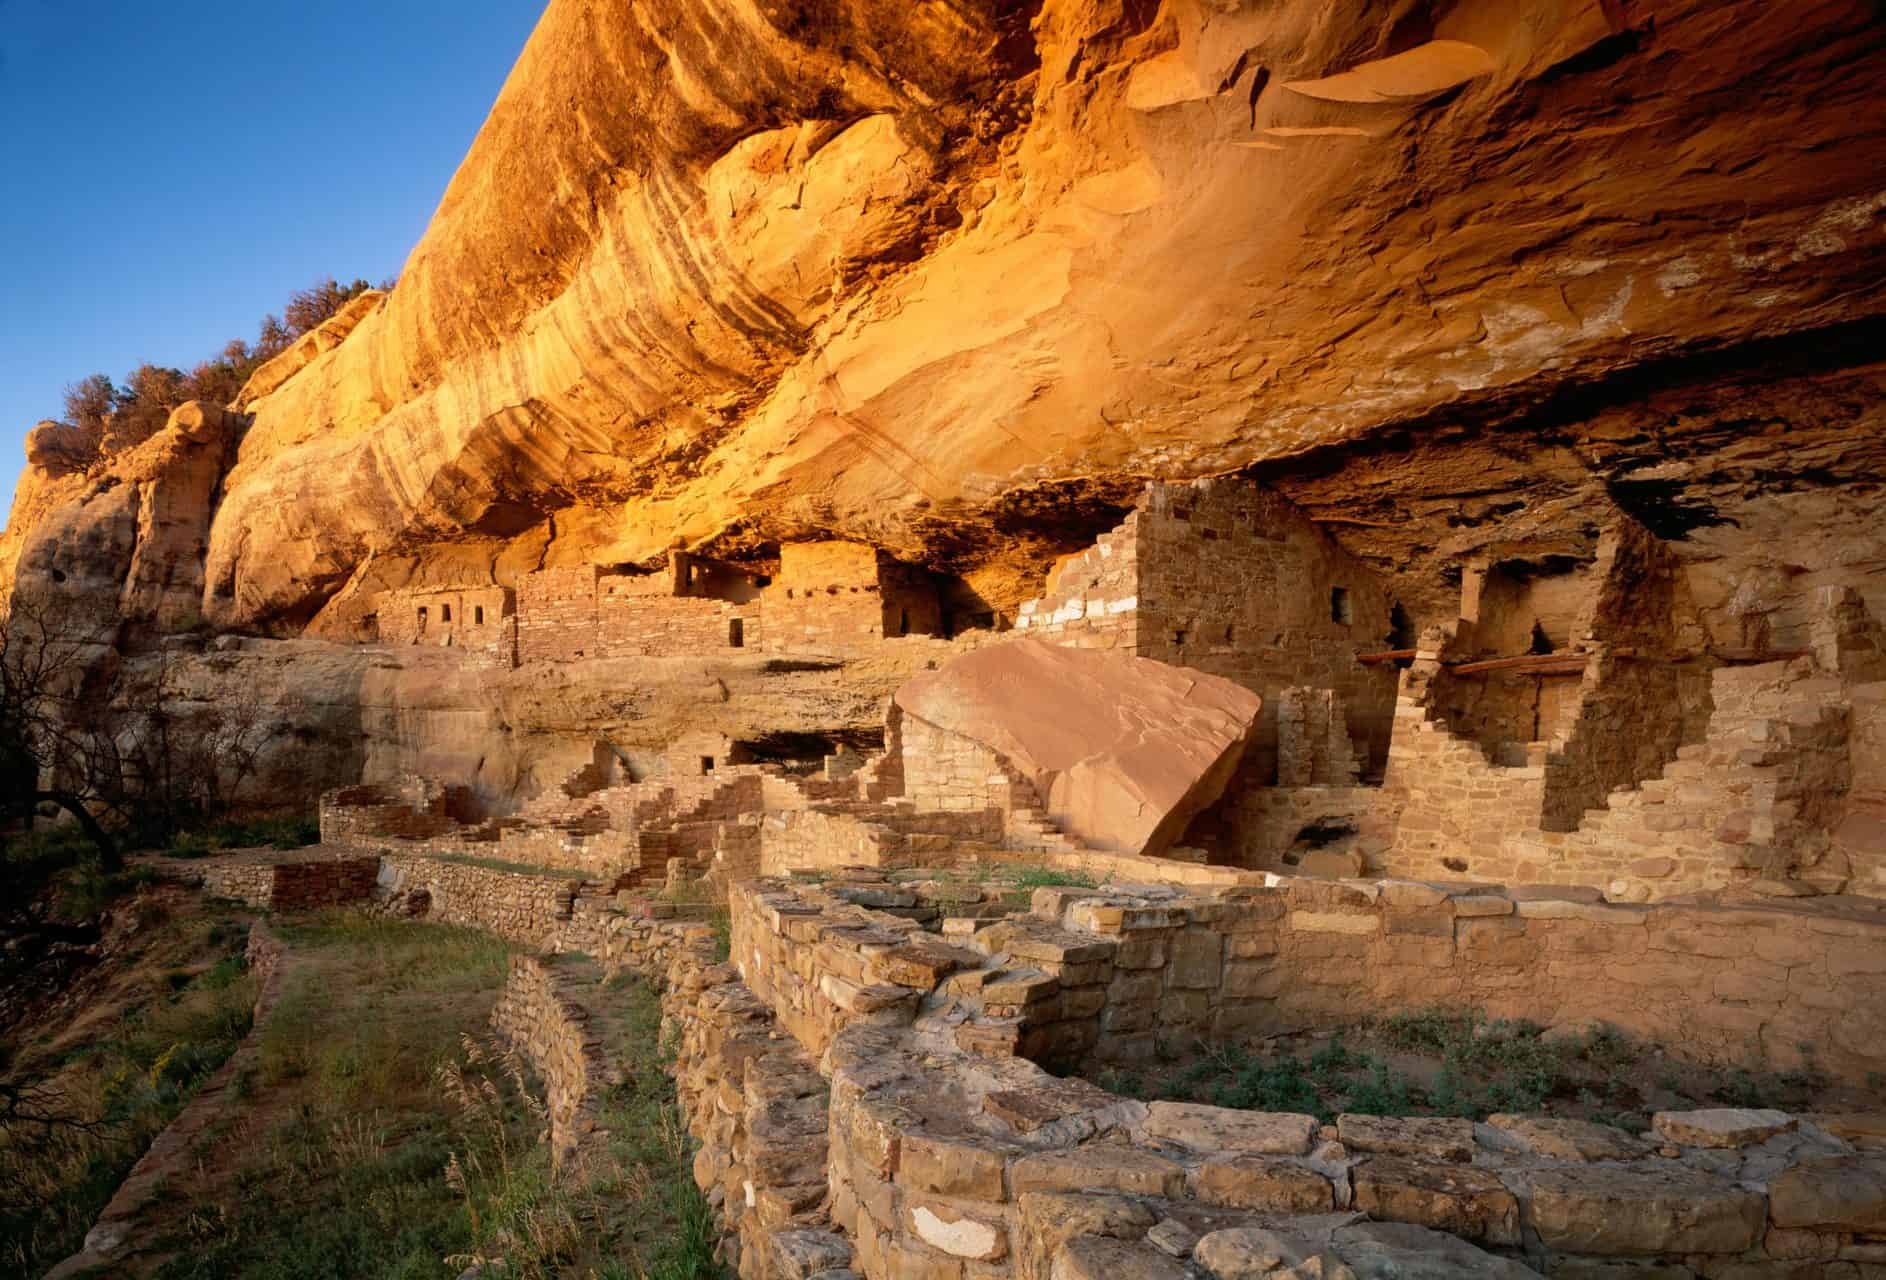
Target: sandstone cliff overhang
1123, 752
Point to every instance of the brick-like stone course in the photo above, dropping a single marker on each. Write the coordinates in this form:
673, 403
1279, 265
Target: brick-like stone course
287, 881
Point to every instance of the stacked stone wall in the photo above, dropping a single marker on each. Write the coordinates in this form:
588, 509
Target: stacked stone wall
824, 839
841, 594
1270, 828
1720, 981
671, 626
1755, 798
556, 614
527, 909
853, 1079
541, 1014
946, 771
288, 882
982, 1164
363, 814
477, 621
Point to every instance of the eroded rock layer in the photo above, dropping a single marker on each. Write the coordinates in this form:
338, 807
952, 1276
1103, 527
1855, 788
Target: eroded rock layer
951, 280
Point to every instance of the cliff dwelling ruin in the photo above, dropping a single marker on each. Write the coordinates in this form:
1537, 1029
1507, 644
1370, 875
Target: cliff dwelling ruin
1012, 570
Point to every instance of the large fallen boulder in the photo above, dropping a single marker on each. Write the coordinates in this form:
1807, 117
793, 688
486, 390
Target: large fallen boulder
1123, 752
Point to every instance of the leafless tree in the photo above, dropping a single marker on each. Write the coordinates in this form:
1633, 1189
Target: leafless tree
112, 741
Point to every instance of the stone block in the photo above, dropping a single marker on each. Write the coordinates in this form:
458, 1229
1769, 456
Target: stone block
1102, 1258
1667, 1209
1438, 1138
1844, 1193
982, 1237
1098, 1168
1721, 1126
1334, 922
1197, 960
1570, 1139
1458, 1199
950, 1167
1271, 1184
1207, 1128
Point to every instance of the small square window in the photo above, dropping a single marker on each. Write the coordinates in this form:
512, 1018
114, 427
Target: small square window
707, 764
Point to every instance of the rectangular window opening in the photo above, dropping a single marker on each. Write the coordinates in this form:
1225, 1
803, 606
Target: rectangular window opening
478, 615
445, 613
707, 764
736, 633
1340, 609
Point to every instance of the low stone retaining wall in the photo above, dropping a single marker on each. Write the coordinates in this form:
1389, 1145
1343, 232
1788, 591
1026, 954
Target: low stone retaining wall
1132, 969
290, 882
527, 909
752, 1097
541, 1013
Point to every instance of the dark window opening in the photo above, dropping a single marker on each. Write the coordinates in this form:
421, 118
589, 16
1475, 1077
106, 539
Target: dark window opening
1230, 632
422, 615
445, 613
1178, 637
736, 633
1400, 628
478, 615
903, 622
707, 764
1340, 610
1541, 643
58, 575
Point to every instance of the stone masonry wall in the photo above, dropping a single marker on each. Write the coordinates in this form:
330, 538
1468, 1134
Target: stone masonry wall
581, 612
541, 1013
556, 614
853, 1083
1752, 799
528, 909
288, 882
479, 621
1719, 981
946, 771
839, 594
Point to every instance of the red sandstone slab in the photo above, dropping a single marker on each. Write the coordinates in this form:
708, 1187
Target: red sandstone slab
1123, 751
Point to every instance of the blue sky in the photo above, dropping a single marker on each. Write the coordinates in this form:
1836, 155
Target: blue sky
169, 173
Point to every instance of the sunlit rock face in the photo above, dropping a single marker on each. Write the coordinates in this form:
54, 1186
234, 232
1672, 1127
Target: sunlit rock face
956, 280
938, 278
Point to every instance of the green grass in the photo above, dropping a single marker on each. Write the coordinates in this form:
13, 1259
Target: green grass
514, 868
1031, 878
292, 832
1479, 1066
407, 1147
131, 1081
